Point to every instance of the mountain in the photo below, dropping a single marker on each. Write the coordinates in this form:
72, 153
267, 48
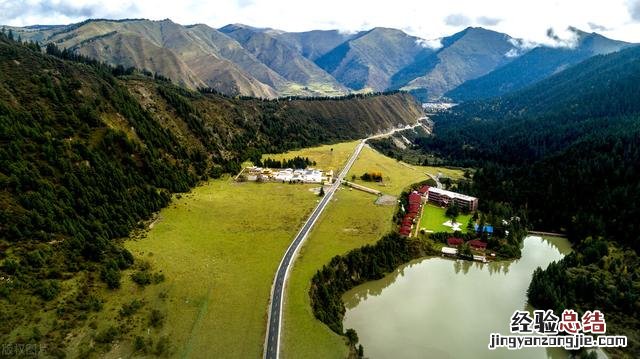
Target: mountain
533, 66
86, 155
315, 43
586, 90
262, 62
186, 55
284, 59
369, 60
463, 56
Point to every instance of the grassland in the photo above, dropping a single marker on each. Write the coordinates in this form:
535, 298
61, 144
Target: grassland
433, 218
218, 247
396, 174
350, 221
327, 157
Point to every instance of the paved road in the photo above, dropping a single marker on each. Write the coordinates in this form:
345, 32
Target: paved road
274, 325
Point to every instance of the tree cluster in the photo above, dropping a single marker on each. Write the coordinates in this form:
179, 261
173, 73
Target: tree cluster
295, 162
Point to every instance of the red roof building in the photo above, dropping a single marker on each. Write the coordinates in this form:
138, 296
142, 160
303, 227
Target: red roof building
405, 230
424, 189
415, 198
477, 244
454, 242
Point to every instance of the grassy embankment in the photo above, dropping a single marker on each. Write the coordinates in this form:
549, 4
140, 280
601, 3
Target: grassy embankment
350, 221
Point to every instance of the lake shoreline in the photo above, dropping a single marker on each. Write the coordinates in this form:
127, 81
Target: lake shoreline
469, 286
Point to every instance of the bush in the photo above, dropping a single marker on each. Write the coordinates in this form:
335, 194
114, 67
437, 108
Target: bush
111, 276
48, 289
156, 318
372, 177
131, 308
162, 346
107, 336
141, 278
11, 266
140, 345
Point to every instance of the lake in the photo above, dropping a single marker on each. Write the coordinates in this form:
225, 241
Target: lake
444, 308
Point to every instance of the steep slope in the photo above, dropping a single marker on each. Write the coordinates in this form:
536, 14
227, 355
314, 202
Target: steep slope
369, 60
588, 89
315, 43
193, 61
466, 55
233, 51
533, 66
284, 59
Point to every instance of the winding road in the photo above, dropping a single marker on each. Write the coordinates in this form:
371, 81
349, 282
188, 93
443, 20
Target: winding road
274, 324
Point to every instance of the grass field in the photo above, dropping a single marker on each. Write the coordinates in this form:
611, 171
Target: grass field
218, 247
350, 221
325, 158
396, 174
433, 218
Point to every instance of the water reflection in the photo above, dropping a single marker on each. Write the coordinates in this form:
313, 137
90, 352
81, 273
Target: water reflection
438, 307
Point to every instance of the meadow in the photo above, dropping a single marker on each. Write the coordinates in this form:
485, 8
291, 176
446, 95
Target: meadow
218, 248
327, 157
396, 174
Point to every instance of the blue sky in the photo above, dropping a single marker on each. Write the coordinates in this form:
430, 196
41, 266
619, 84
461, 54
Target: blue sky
527, 19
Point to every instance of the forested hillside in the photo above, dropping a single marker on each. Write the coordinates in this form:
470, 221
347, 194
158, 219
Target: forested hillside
568, 151
533, 66
88, 151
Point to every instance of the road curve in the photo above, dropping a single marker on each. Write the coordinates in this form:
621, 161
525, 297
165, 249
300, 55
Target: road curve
274, 323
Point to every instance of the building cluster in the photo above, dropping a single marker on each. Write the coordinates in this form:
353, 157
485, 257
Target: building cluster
414, 200
434, 195
454, 242
443, 198
474, 243
309, 175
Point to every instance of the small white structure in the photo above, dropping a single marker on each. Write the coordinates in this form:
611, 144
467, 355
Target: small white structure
309, 175
448, 251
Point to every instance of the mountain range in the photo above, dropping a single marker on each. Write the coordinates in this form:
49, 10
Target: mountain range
237, 59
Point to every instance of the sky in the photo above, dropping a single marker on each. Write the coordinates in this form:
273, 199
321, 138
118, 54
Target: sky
531, 20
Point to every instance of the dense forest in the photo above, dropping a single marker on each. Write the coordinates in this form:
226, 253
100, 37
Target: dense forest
89, 151
567, 151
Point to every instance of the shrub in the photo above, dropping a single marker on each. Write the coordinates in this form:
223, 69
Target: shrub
156, 318
141, 278
107, 336
129, 309
48, 289
111, 276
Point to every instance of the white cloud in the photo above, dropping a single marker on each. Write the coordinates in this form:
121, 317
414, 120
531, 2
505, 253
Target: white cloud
634, 9
527, 19
457, 20
430, 44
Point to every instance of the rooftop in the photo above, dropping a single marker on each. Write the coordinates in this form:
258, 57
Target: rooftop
451, 194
